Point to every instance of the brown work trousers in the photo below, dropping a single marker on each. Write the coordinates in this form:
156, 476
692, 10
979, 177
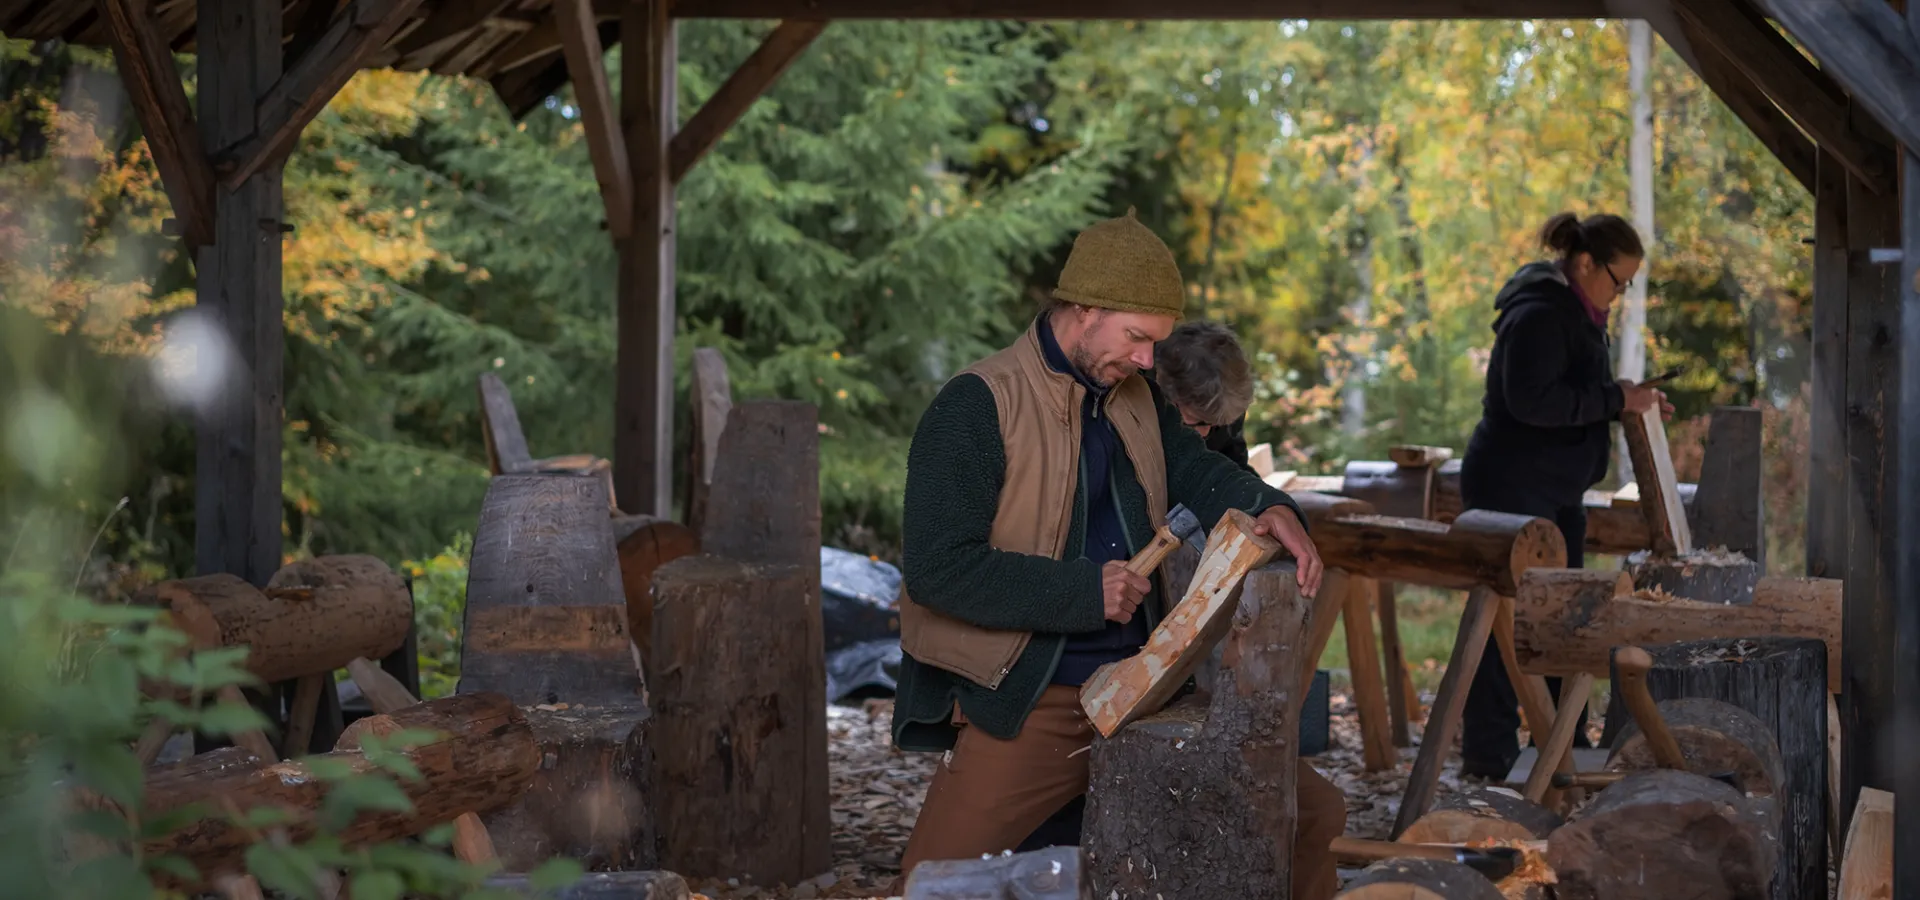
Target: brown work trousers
989, 794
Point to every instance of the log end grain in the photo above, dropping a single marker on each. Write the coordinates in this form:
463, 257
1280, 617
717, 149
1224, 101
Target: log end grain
1708, 576
1714, 737
1419, 879
1665, 827
1481, 814
590, 799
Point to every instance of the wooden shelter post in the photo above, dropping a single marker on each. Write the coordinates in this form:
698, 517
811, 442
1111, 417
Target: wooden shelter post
643, 389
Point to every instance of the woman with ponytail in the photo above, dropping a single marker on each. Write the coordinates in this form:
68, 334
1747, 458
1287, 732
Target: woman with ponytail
1543, 437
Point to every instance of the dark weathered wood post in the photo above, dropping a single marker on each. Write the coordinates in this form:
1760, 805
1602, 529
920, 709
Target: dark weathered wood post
643, 372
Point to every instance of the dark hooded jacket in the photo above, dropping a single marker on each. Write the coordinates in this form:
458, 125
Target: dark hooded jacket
1551, 393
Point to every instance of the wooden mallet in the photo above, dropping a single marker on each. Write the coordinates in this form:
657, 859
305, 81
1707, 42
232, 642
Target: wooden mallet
1632, 664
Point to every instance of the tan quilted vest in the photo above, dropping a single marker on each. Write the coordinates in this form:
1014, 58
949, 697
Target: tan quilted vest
1039, 411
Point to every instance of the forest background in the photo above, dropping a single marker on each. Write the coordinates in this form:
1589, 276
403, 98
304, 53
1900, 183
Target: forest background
1347, 196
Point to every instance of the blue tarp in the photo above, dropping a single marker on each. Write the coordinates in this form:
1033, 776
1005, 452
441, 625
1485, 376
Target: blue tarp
859, 599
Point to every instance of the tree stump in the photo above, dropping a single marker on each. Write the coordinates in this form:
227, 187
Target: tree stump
740, 679
1709, 576
1782, 682
1665, 827
1056, 873
1481, 814
645, 544
1198, 801
1419, 879
601, 886
1713, 737
546, 625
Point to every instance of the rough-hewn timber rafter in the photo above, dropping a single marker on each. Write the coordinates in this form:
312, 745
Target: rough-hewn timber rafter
1795, 151
1808, 95
448, 24
160, 102
744, 86
540, 41
1253, 10
1868, 48
306, 88
606, 145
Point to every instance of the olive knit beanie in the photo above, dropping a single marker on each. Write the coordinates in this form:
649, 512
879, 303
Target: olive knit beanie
1120, 264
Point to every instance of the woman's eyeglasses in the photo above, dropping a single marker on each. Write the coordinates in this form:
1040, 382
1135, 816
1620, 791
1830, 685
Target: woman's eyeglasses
1619, 287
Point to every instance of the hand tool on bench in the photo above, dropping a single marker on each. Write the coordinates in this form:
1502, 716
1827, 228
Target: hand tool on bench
1632, 664
1493, 862
1598, 780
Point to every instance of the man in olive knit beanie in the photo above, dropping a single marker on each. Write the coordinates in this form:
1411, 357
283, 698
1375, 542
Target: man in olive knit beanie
1033, 477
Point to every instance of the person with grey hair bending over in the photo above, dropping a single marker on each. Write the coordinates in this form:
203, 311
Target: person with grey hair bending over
1205, 375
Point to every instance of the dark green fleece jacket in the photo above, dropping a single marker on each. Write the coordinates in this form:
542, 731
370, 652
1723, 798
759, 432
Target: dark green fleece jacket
954, 471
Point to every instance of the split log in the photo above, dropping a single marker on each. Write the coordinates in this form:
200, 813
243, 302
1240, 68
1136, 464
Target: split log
483, 758
711, 396
1121, 692
1478, 814
1660, 503
1419, 879
1565, 620
1728, 510
1198, 801
764, 501
1867, 871
315, 616
546, 625
1479, 548
1056, 873
1781, 683
645, 545
600, 886
1665, 827
1709, 576
739, 680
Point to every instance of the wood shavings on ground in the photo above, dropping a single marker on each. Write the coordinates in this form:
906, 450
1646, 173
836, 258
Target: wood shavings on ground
1655, 594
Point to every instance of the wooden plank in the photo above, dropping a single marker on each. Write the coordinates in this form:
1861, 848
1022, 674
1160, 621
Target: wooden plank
1795, 150
1727, 510
1827, 407
712, 401
1659, 490
1866, 47
1866, 873
606, 145
644, 309
1869, 673
1476, 623
734, 97
1750, 44
500, 427
765, 500
1250, 10
1906, 666
160, 102
237, 493
305, 89
544, 543
1260, 459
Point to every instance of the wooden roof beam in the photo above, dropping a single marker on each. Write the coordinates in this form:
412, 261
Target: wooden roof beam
305, 89
1795, 151
606, 144
539, 42
744, 86
451, 22
1251, 10
160, 102
1746, 40
1869, 49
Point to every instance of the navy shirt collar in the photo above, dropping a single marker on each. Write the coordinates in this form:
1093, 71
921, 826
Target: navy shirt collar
1057, 358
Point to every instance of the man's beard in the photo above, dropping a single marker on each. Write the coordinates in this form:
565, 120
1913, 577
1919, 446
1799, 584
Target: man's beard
1093, 370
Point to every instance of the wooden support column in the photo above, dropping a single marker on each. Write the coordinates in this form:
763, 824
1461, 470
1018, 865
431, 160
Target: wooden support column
1906, 663
160, 103
643, 372
237, 465
580, 42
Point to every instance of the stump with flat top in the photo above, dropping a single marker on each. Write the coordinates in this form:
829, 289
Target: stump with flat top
1481, 814
1056, 873
1709, 575
1778, 688
1419, 879
1665, 827
739, 677
1198, 800
546, 625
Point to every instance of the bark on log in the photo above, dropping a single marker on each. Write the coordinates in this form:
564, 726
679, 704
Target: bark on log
1479, 548
1566, 620
740, 680
1419, 879
1704, 575
484, 757
546, 617
1198, 801
1056, 873
1782, 682
1713, 737
643, 549
1321, 507
1481, 814
601, 886
591, 798
1663, 828
385, 693
1121, 692
354, 606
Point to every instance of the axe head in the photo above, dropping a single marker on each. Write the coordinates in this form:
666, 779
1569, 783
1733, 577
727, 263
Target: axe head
1186, 526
